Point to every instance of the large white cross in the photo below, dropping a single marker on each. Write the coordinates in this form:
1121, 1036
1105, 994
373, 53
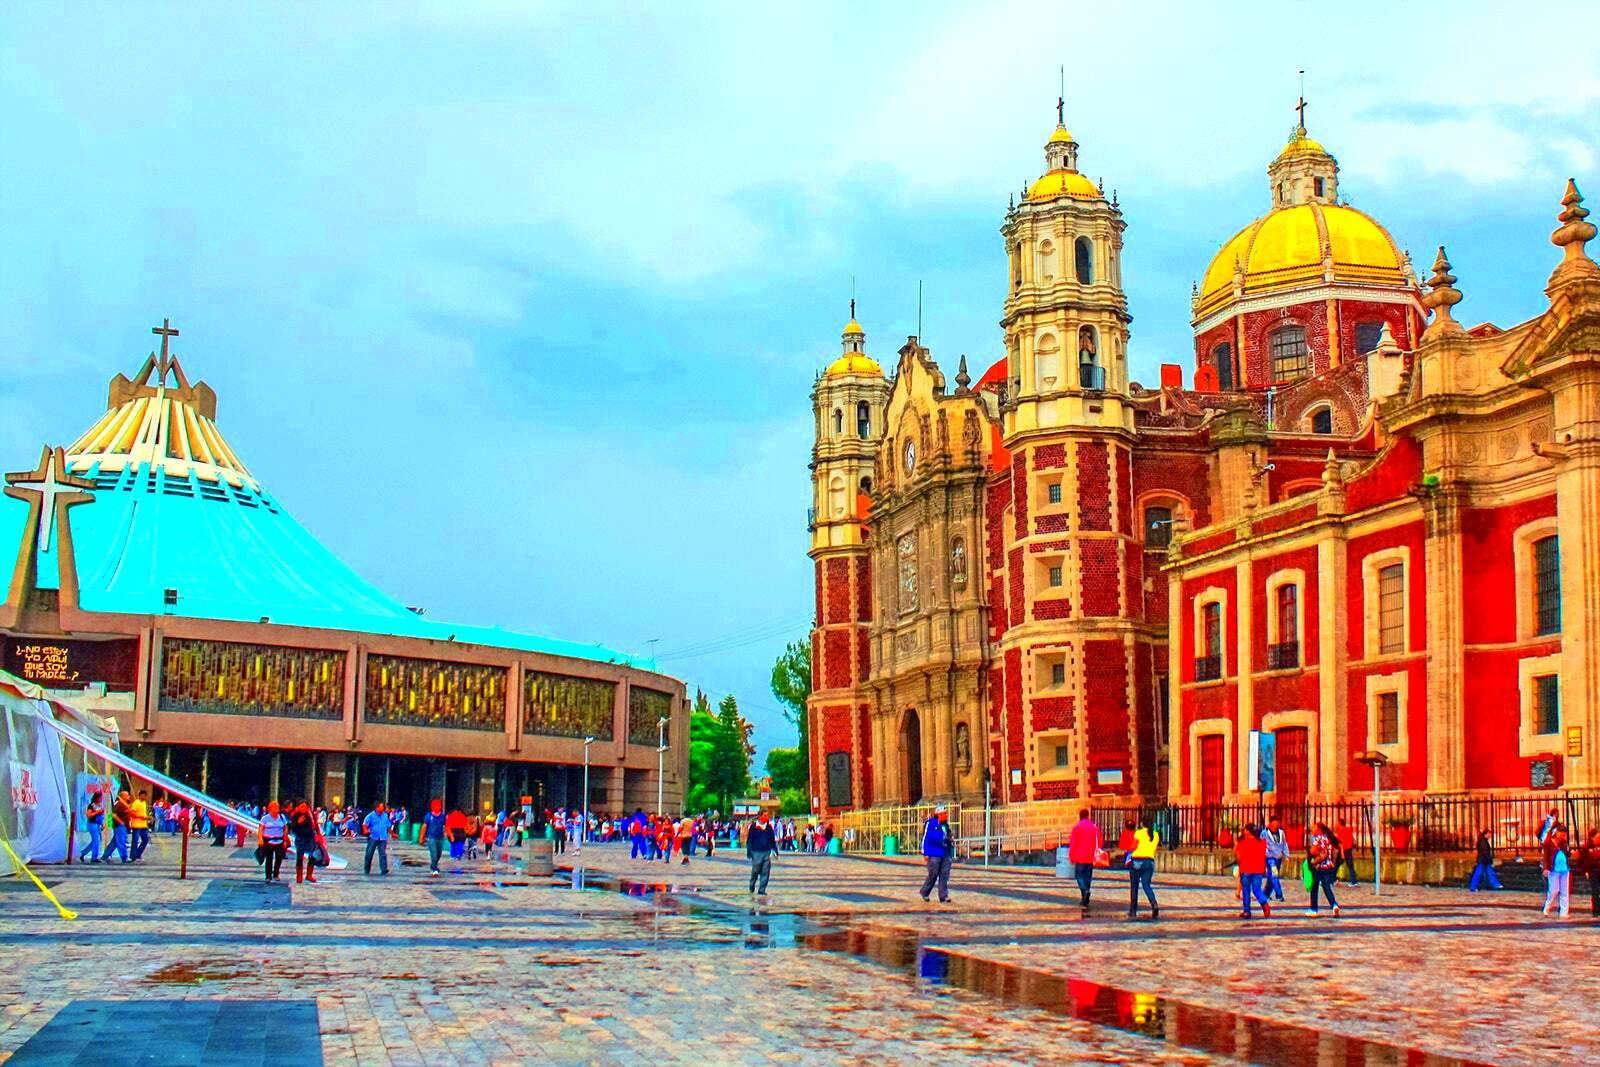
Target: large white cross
48, 484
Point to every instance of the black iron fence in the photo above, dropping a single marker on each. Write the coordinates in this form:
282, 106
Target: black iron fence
1431, 823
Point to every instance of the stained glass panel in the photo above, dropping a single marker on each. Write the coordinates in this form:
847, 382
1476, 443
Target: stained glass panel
420, 692
559, 705
646, 708
229, 678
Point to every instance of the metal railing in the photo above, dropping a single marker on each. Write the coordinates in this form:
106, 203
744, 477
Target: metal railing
1425, 823
1207, 668
1282, 656
1092, 376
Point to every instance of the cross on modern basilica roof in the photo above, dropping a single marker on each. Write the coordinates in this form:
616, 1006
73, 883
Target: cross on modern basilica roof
168, 361
52, 483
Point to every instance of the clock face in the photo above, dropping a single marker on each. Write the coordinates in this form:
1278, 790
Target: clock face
911, 456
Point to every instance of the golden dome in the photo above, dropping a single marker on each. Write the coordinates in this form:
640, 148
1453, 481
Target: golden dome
854, 363
1061, 136
1286, 249
1059, 183
854, 327
1301, 145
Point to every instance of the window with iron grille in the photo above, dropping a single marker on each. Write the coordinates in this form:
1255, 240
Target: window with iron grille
1061, 756
1058, 674
1547, 704
1388, 718
1289, 613
1392, 608
1547, 585
1291, 358
1052, 492
1157, 527
1222, 359
1055, 576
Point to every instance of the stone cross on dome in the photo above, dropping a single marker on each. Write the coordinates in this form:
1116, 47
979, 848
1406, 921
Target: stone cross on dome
51, 483
168, 362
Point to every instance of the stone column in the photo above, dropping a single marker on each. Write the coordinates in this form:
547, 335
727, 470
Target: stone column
1446, 750
332, 766
1333, 627
1578, 511
1244, 664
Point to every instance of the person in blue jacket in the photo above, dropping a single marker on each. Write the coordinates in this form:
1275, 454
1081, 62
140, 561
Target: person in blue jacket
938, 846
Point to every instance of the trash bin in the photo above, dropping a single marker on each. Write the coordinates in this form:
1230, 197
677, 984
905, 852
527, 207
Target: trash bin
891, 845
835, 846
539, 857
1063, 864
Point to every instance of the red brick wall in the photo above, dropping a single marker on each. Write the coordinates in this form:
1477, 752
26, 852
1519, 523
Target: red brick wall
1258, 326
864, 753
863, 588
996, 494
1144, 658
1122, 499
1014, 580
1099, 579
1205, 342
1094, 486
1352, 312
1052, 608
836, 659
1049, 457
1133, 580
1184, 473
837, 590
1052, 713
1019, 494
863, 655
1105, 670
1015, 742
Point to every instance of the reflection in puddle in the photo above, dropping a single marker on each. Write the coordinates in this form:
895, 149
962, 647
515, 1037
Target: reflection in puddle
1172, 1022
197, 973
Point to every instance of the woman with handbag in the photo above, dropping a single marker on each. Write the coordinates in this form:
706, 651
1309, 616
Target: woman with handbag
272, 839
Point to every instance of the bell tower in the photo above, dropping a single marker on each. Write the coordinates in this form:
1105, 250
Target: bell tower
1066, 317
849, 401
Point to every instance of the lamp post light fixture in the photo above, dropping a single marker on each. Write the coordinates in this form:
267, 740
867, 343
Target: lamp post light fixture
661, 764
1376, 761
583, 828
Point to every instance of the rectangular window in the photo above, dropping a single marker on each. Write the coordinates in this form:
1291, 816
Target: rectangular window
1547, 704
1291, 356
1053, 493
1392, 608
1212, 620
1157, 527
1289, 614
1055, 576
1388, 718
1061, 756
1547, 585
1058, 674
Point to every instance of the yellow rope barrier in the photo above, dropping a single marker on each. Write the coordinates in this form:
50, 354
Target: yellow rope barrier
22, 868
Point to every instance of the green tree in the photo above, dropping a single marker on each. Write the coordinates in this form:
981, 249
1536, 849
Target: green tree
719, 755
703, 731
791, 684
786, 769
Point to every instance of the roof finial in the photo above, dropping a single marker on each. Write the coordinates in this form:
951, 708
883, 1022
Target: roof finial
1061, 101
852, 309
1573, 233
963, 379
1443, 297
1301, 105
168, 332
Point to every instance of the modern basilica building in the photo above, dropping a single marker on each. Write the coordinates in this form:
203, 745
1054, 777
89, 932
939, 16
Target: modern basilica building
1364, 529
158, 582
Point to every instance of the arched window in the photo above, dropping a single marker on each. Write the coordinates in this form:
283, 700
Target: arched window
1047, 364
1222, 360
836, 499
838, 421
1090, 374
1367, 335
1291, 358
866, 484
1084, 261
1322, 420
1046, 271
863, 419
1157, 527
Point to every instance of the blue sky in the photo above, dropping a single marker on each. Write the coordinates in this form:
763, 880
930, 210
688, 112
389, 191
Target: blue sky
518, 306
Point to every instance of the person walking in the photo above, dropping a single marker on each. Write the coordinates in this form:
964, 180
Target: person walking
376, 826
686, 839
273, 840
1084, 847
1277, 849
1589, 864
303, 828
1557, 869
1347, 849
1323, 855
938, 849
94, 815
433, 834
1485, 866
759, 846
1251, 852
139, 826
119, 826
636, 835
1142, 868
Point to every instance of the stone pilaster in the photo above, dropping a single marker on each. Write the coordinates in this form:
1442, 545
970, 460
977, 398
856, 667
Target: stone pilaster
1444, 581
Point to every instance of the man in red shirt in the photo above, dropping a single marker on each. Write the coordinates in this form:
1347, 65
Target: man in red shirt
1083, 847
1347, 849
1251, 852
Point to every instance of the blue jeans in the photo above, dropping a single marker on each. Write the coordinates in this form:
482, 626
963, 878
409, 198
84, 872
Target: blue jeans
1482, 871
1083, 874
1140, 873
140, 842
119, 842
1323, 878
1250, 886
1274, 885
92, 849
638, 848
435, 847
382, 849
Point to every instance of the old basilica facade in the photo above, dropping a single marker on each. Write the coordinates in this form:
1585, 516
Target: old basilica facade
1080, 587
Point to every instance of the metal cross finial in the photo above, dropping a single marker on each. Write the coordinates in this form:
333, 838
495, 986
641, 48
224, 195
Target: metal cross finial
167, 332
1301, 106
1061, 101
852, 309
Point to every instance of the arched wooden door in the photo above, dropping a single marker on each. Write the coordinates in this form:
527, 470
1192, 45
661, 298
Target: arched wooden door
911, 756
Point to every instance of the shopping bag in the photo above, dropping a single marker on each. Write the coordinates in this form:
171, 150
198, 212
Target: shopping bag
261, 854
1102, 858
1306, 876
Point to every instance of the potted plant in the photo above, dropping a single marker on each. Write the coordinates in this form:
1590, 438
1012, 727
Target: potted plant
1399, 831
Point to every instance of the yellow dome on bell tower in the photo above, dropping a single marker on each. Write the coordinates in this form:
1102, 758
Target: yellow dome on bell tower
854, 360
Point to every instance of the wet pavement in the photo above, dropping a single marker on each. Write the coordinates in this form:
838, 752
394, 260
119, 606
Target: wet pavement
632, 963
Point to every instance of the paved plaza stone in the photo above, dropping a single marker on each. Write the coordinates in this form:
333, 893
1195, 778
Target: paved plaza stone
628, 962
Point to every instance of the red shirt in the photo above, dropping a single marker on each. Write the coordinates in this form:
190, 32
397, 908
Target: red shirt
1084, 842
1251, 852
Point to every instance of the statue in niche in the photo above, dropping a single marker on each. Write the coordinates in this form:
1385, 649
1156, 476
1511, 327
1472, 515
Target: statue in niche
958, 563
963, 748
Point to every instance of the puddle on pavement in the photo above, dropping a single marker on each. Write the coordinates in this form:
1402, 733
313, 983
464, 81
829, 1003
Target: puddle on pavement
1172, 1022
197, 973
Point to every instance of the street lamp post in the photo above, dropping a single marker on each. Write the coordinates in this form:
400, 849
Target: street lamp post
1376, 760
583, 828
661, 764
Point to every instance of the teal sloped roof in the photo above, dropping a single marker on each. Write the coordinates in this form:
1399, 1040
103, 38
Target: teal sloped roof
233, 553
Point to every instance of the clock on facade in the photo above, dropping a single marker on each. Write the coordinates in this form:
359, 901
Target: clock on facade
911, 456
